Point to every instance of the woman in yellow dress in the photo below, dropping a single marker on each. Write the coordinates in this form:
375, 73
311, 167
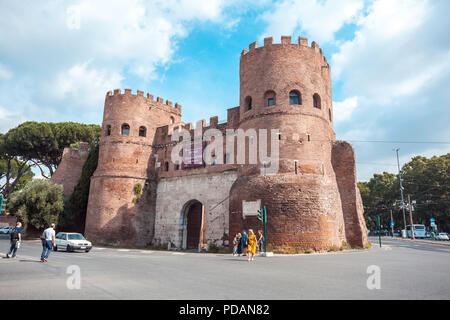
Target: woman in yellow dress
251, 245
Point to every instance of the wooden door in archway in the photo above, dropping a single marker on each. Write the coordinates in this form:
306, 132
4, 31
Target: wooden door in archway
194, 225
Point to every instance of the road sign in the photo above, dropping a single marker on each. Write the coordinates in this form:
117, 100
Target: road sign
392, 224
432, 220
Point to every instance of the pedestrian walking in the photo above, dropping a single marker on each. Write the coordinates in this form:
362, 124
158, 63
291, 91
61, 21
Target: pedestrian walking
239, 244
48, 242
244, 242
235, 244
15, 240
260, 241
251, 245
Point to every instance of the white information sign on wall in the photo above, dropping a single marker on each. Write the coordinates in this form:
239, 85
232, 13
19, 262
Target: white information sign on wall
250, 208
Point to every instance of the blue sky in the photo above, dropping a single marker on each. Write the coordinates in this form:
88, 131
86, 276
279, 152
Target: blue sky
390, 62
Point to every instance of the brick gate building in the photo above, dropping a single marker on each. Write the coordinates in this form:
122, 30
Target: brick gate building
139, 195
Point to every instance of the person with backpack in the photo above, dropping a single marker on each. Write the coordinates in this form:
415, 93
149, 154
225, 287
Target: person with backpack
15, 240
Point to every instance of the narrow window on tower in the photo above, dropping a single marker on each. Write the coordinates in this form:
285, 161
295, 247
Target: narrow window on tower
142, 131
317, 102
125, 129
269, 96
108, 130
295, 97
295, 167
329, 114
248, 103
166, 166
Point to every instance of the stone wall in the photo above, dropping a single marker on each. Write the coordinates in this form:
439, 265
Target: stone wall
343, 160
69, 169
173, 194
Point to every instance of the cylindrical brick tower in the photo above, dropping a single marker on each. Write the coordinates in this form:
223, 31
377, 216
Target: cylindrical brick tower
116, 212
287, 87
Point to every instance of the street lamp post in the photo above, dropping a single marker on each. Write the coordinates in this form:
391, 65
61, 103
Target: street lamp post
401, 190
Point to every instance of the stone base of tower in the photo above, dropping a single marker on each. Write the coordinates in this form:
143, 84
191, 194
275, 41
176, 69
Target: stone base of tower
303, 211
112, 215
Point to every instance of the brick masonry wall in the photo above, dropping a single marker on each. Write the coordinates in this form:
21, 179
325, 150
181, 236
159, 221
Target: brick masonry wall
343, 160
303, 210
69, 169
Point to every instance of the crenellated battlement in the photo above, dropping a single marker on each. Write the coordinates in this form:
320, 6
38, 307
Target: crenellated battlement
285, 41
149, 98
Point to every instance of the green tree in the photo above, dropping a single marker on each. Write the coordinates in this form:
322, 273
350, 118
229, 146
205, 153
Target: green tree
38, 204
426, 180
378, 195
40, 145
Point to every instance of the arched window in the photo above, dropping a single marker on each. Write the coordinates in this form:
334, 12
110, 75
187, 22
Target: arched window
125, 129
317, 103
166, 166
108, 130
269, 97
248, 103
142, 131
295, 97
172, 120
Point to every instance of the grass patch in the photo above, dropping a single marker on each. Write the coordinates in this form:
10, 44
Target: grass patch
290, 250
334, 248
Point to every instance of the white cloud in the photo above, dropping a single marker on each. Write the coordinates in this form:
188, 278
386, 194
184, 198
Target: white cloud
66, 55
319, 20
83, 85
9, 118
398, 65
5, 74
343, 110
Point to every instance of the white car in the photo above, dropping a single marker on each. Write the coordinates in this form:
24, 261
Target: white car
6, 230
442, 236
71, 241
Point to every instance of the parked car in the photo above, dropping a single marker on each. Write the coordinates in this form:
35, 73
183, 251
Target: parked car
6, 230
70, 241
442, 236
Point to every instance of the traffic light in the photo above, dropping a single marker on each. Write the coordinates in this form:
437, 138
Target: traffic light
2, 204
261, 215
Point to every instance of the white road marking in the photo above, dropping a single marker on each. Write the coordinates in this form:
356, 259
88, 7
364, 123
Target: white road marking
124, 250
179, 253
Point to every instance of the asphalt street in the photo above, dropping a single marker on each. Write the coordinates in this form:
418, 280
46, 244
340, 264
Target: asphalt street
407, 270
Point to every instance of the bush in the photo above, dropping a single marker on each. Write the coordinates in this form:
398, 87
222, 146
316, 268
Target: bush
38, 204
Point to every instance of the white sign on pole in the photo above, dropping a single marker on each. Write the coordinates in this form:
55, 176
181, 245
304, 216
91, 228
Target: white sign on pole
250, 208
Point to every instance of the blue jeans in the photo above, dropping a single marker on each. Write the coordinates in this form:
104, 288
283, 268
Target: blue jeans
13, 248
46, 249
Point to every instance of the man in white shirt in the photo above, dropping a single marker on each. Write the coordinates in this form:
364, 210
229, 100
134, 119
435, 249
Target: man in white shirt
48, 242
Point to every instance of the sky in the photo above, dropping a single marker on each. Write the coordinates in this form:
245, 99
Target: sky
390, 62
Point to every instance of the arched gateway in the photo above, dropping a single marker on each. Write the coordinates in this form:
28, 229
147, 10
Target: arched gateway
193, 224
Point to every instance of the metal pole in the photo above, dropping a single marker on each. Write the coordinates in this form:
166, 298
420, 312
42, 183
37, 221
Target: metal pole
379, 231
410, 217
401, 190
265, 233
392, 226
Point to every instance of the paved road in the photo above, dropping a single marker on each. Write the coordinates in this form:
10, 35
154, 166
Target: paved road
409, 270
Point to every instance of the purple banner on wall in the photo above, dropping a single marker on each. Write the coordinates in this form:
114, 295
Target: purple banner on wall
193, 156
